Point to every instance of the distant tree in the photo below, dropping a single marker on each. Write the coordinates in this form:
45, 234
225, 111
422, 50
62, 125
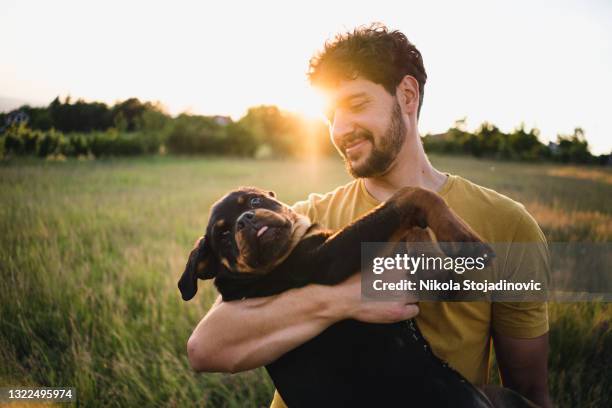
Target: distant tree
128, 113
239, 141
521, 144
490, 138
458, 141
573, 148
525, 144
79, 117
273, 128
38, 118
192, 134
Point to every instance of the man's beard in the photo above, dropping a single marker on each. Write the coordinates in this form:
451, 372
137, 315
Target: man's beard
382, 155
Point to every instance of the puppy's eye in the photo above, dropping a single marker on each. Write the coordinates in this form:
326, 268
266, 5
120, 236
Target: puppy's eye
255, 201
225, 235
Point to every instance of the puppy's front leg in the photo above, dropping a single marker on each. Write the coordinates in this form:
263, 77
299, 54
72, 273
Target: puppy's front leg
340, 256
424, 208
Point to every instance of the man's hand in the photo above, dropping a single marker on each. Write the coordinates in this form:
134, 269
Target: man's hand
349, 292
246, 334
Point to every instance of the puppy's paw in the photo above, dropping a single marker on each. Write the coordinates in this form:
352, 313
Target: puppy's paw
457, 239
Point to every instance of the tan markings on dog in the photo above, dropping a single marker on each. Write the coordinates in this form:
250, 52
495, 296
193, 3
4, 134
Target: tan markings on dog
244, 268
241, 200
241, 266
397, 236
417, 234
299, 228
225, 263
432, 236
313, 231
220, 223
201, 266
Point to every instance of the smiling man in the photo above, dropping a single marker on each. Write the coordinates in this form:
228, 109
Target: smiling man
375, 80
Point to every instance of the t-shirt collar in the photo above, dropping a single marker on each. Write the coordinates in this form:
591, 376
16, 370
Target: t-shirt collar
450, 180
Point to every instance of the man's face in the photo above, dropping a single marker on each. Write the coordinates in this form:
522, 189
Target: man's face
366, 126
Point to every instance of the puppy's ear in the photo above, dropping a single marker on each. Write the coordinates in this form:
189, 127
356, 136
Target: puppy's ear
272, 194
201, 264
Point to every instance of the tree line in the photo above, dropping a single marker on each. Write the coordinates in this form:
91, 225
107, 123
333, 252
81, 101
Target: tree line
132, 127
520, 144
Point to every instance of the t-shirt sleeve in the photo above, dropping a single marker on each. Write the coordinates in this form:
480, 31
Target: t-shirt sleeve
308, 207
301, 207
277, 401
528, 258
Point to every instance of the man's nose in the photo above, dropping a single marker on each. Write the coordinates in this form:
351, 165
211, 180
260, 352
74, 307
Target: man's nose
341, 125
245, 219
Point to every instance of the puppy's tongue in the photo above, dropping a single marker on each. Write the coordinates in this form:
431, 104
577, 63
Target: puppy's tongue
261, 231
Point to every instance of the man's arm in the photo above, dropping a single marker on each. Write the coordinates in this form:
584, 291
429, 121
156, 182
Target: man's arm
520, 329
246, 334
523, 365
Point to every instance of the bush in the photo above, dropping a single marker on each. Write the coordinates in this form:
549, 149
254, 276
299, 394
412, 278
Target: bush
80, 144
239, 141
520, 144
196, 134
113, 143
52, 142
19, 140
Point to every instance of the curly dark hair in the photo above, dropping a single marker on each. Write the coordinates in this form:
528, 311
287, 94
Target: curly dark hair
372, 52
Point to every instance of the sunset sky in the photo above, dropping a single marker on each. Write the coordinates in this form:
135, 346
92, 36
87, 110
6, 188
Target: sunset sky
545, 63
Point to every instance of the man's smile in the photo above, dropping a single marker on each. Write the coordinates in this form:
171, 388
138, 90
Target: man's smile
354, 146
354, 143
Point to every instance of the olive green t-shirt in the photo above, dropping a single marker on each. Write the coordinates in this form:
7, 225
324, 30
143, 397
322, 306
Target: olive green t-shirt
459, 332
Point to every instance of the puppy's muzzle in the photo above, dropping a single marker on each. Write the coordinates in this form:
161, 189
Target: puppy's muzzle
246, 219
260, 220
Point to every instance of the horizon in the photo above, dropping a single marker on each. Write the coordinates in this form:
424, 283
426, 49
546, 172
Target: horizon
506, 64
459, 123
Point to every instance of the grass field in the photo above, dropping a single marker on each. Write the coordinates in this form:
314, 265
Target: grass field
90, 253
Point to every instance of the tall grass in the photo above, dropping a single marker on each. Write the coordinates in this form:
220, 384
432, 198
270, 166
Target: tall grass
90, 253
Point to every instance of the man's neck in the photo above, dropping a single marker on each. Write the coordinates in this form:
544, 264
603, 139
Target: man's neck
411, 168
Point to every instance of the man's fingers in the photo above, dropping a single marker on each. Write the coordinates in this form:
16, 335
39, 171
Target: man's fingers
411, 310
388, 312
400, 311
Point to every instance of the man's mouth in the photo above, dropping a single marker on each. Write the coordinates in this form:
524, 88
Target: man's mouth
354, 144
355, 141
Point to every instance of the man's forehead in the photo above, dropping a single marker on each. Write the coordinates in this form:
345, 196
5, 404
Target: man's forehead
345, 90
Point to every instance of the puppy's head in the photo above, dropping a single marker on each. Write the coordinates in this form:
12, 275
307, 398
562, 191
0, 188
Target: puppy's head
249, 232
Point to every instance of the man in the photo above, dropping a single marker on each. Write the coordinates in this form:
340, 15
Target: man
375, 79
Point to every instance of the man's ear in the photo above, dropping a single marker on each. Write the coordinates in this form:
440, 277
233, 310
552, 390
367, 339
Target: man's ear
408, 94
201, 264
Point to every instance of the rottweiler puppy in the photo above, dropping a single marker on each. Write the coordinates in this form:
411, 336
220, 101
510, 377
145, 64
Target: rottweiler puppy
255, 246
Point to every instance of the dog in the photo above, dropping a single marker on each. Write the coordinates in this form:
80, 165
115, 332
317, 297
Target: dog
256, 246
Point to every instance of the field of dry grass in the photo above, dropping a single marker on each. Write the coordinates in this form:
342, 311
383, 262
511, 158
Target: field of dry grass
90, 253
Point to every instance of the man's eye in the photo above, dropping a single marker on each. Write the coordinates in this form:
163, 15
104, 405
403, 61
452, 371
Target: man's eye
255, 201
358, 107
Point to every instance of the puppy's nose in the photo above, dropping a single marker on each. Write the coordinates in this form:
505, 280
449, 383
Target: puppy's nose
245, 219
